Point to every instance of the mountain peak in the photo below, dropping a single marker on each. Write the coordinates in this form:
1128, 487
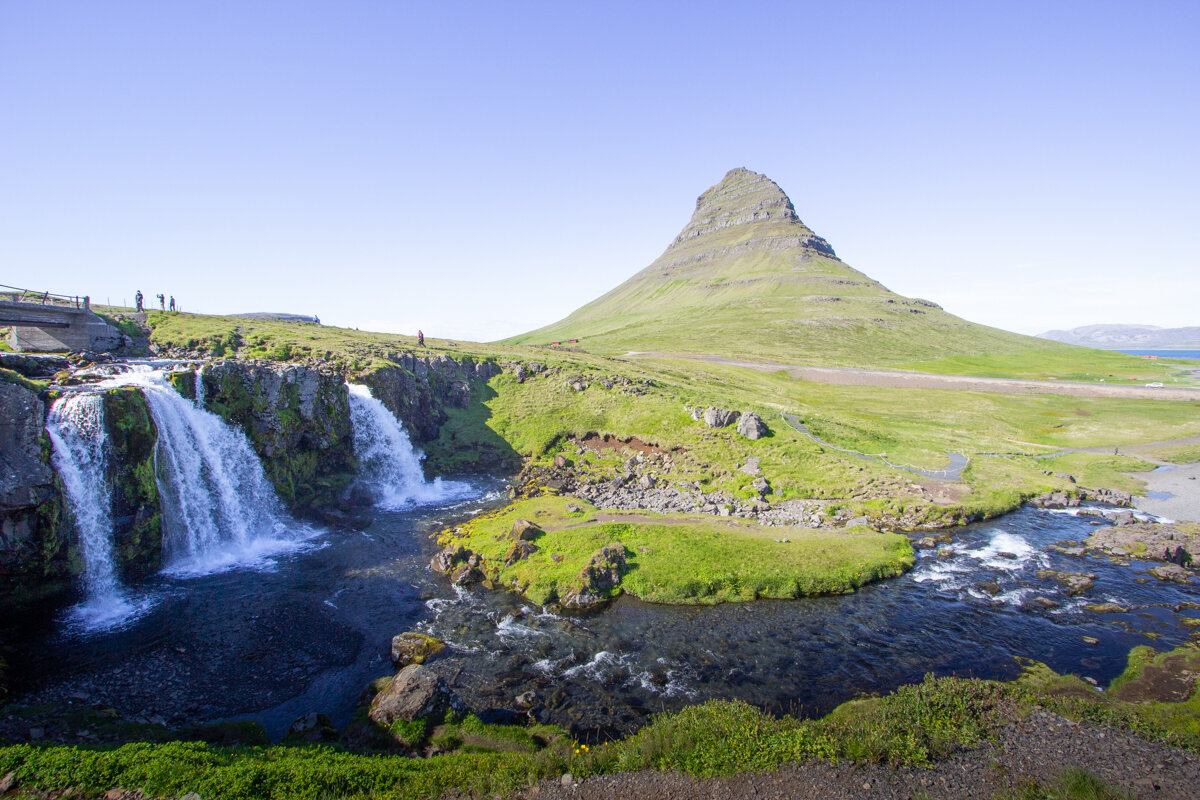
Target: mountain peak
744, 197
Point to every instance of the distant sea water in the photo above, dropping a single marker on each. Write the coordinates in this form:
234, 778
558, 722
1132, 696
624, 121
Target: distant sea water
1164, 353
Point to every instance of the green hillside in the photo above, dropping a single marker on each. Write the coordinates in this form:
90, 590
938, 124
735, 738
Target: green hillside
747, 277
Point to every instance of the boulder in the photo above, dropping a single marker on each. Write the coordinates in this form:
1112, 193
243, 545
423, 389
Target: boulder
465, 574
519, 551
448, 558
751, 426
562, 461
523, 529
415, 693
414, 648
1171, 572
762, 486
719, 417
312, 728
1123, 518
1073, 582
598, 577
751, 467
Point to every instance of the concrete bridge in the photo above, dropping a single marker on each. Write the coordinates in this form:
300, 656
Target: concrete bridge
42, 322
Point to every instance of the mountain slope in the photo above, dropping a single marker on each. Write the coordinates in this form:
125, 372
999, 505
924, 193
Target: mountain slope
1117, 337
747, 277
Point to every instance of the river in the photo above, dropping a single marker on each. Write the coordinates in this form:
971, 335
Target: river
307, 629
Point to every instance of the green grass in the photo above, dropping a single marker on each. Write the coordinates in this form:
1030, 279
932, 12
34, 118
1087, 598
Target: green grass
916, 427
16, 378
682, 560
1184, 454
1039, 361
749, 291
914, 726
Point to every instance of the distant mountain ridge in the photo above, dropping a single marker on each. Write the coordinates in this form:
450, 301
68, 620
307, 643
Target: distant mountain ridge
1128, 337
746, 276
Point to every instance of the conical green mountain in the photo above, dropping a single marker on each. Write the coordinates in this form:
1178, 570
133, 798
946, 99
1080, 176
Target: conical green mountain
746, 278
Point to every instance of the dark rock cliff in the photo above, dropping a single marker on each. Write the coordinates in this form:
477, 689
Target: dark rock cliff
440, 401
420, 390
34, 556
136, 513
297, 418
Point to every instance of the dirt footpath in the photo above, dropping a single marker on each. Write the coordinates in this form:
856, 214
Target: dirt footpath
1038, 748
845, 376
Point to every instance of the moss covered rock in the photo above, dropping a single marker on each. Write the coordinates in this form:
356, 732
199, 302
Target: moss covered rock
298, 421
35, 557
137, 512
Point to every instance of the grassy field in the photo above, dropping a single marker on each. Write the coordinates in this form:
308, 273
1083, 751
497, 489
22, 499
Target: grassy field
539, 417
678, 558
916, 725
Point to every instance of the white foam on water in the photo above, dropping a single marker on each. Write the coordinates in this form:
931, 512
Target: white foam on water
510, 627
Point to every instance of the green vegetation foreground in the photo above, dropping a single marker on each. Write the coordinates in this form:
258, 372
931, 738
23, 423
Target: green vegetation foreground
916, 726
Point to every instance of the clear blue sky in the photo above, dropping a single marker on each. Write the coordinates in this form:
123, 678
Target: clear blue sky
480, 169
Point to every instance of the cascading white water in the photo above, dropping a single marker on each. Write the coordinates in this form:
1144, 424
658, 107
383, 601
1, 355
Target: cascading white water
219, 509
199, 386
76, 428
389, 468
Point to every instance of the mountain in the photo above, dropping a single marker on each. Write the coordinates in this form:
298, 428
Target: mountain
1128, 337
746, 277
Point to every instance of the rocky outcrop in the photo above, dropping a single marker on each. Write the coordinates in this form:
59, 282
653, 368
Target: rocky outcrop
751, 426
415, 693
423, 392
597, 579
34, 557
419, 390
136, 511
33, 366
412, 647
297, 418
1175, 543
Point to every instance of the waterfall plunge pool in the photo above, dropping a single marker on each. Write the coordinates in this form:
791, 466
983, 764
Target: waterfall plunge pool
309, 634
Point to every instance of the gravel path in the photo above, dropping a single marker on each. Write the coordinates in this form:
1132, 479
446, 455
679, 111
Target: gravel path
846, 376
1182, 482
1038, 748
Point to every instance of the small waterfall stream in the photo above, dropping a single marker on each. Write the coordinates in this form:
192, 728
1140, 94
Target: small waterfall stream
76, 428
389, 468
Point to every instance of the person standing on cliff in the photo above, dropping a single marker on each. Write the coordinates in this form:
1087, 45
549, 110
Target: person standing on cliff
137, 300
421, 338
172, 302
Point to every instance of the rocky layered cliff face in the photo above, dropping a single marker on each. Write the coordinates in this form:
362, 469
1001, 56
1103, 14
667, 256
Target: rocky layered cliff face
136, 513
34, 557
297, 418
418, 390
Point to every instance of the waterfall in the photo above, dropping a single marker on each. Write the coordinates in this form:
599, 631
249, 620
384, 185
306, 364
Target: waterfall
388, 467
199, 386
219, 509
76, 428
